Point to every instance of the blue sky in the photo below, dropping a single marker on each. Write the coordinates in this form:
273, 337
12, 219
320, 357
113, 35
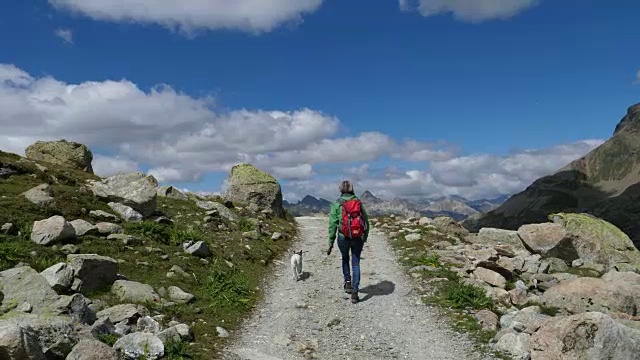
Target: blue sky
507, 90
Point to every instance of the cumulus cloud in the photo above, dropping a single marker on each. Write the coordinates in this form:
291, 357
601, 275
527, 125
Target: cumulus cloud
65, 34
178, 136
469, 10
193, 15
637, 80
110, 165
473, 176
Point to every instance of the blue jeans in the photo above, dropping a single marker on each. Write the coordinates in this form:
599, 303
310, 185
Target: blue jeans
355, 245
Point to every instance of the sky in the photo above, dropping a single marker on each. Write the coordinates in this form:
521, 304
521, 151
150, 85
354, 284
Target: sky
406, 98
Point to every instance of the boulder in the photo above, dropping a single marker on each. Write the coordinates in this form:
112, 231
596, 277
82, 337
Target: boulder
425, 221
19, 342
59, 276
93, 272
249, 185
24, 284
176, 333
494, 236
77, 307
52, 230
106, 228
542, 238
62, 152
136, 190
590, 294
178, 295
103, 215
490, 277
516, 345
127, 313
590, 335
531, 318
135, 292
199, 249
487, 319
413, 237
125, 239
449, 226
171, 192
90, 349
136, 345
8, 229
40, 195
83, 227
217, 208
126, 212
56, 335
148, 324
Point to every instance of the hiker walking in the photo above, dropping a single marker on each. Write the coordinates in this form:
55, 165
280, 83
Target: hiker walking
349, 218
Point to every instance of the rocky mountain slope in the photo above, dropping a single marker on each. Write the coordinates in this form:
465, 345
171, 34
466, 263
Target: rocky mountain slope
309, 205
605, 183
115, 268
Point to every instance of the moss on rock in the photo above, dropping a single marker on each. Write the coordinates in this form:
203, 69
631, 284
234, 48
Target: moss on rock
247, 174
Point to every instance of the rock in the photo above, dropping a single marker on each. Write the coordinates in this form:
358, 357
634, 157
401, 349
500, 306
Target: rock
425, 221
62, 152
249, 185
627, 282
76, 307
148, 324
40, 195
135, 292
488, 320
94, 272
52, 230
531, 319
450, 226
69, 249
516, 345
176, 333
91, 349
24, 284
8, 229
506, 273
518, 296
171, 192
223, 333
276, 236
413, 237
163, 220
590, 294
55, 335
590, 335
557, 265
178, 295
532, 264
6, 172
102, 326
135, 190
19, 342
542, 238
127, 313
199, 249
125, 239
500, 237
25, 307
253, 235
105, 228
126, 212
83, 227
103, 215
59, 276
219, 209
490, 277
136, 345
178, 270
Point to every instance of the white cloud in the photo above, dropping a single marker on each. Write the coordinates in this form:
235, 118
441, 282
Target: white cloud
110, 165
193, 15
469, 10
180, 137
65, 34
637, 80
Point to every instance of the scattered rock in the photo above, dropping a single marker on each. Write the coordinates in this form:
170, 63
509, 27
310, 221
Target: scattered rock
171, 192
25, 307
83, 227
127, 313
136, 190
69, 249
129, 240
488, 320
40, 195
18, 342
135, 292
136, 345
103, 215
178, 295
93, 272
8, 229
52, 230
126, 212
91, 349
66, 153
59, 276
199, 249
516, 345
176, 333
105, 228
413, 237
217, 209
425, 221
276, 236
222, 332
148, 324
24, 284
490, 277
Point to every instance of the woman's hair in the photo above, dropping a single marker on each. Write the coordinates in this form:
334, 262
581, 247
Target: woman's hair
346, 187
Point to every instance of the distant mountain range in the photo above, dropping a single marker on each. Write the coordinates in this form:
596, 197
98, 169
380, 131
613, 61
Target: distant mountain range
456, 207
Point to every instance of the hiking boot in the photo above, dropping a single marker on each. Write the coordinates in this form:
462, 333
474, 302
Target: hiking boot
354, 297
347, 287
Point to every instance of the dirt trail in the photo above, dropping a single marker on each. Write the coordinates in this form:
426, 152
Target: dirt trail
315, 316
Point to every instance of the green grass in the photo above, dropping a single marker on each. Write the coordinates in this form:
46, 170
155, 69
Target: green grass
463, 296
244, 224
431, 260
228, 289
177, 350
109, 339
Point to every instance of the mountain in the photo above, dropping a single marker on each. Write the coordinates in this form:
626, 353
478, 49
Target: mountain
308, 205
452, 207
378, 207
605, 183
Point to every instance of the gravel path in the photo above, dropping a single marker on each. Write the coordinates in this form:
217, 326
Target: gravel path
313, 318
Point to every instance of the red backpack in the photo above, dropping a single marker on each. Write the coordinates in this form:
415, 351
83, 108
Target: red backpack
352, 224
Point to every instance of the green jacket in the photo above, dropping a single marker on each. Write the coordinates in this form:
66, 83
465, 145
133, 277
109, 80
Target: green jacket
335, 218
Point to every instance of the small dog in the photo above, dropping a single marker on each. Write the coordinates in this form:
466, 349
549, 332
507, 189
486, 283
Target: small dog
296, 265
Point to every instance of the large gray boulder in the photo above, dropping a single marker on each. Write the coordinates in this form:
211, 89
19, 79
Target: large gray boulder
62, 152
90, 349
40, 195
93, 272
83, 227
249, 185
135, 292
217, 207
136, 190
136, 345
24, 284
127, 313
52, 230
171, 193
590, 335
59, 276
19, 342
126, 212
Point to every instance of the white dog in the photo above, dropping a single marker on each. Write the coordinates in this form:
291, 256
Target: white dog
296, 265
